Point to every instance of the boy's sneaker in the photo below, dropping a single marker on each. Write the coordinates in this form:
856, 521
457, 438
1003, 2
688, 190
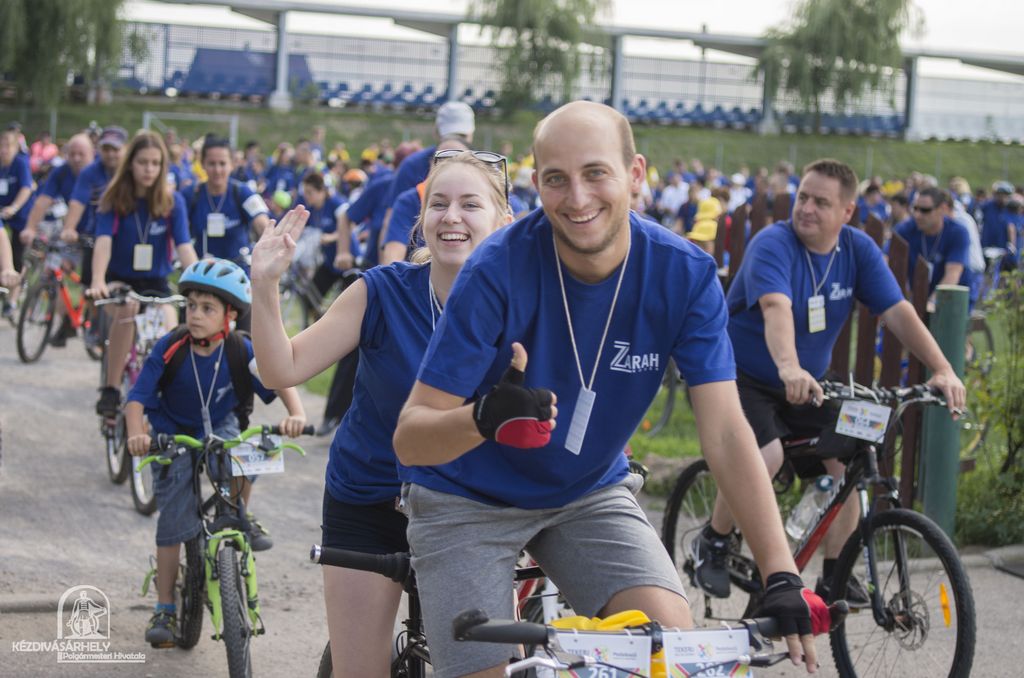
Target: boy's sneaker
856, 595
109, 402
162, 629
10, 313
710, 566
59, 339
259, 538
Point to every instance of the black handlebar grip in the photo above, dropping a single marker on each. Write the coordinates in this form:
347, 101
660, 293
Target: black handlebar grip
768, 627
394, 566
307, 430
475, 625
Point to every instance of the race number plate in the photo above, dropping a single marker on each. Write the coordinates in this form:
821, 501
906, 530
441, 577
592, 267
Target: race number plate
248, 460
863, 420
623, 652
706, 652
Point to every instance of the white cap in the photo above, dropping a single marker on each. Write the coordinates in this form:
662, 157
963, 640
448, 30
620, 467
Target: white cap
455, 117
738, 179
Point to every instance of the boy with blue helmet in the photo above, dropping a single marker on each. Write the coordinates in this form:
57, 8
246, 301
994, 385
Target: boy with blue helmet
211, 396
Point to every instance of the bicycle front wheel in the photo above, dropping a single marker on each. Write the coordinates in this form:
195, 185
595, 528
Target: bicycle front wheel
116, 438
191, 593
36, 321
237, 631
927, 604
142, 488
687, 512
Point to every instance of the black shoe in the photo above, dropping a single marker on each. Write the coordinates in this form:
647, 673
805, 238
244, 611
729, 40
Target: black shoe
856, 595
259, 538
710, 564
161, 630
58, 340
109, 402
328, 426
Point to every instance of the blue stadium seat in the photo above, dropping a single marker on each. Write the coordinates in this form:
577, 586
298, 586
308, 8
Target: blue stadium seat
363, 96
662, 114
698, 117
679, 114
752, 118
894, 125
718, 118
642, 111
734, 118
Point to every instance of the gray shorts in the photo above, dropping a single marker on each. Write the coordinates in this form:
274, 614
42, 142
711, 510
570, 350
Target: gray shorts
175, 495
464, 553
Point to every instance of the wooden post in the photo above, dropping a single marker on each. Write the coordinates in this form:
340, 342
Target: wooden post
782, 207
758, 213
892, 351
915, 372
840, 363
720, 244
737, 245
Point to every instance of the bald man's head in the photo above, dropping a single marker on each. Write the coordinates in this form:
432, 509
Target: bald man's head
79, 152
573, 116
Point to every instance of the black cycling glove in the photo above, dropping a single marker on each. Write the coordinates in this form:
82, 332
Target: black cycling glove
798, 609
514, 415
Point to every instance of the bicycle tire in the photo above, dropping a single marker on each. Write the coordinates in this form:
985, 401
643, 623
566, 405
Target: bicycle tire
142, 488
862, 648
191, 594
37, 312
236, 632
687, 512
116, 439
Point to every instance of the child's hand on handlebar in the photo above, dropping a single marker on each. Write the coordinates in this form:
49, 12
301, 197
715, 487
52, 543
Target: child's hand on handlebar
292, 425
139, 445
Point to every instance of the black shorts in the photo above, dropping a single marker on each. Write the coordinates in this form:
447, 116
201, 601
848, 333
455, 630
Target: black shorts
772, 416
147, 287
366, 528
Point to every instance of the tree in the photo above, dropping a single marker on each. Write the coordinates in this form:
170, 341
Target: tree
46, 41
538, 44
840, 47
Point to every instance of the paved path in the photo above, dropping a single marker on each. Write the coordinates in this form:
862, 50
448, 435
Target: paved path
63, 524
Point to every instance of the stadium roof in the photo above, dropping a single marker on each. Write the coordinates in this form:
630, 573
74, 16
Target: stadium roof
441, 23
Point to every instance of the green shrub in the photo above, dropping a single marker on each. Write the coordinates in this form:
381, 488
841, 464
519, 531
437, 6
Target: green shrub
990, 507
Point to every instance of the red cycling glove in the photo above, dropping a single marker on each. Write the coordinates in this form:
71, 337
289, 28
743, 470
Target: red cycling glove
798, 609
514, 415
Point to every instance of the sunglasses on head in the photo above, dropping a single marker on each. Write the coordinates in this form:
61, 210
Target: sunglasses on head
923, 210
483, 156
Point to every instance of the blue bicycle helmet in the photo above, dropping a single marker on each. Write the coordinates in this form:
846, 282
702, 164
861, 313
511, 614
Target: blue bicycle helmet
219, 277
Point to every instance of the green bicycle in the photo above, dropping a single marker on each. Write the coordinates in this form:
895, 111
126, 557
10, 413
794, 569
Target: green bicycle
218, 568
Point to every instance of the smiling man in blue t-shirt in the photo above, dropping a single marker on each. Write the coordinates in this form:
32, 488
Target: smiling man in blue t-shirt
602, 298
788, 303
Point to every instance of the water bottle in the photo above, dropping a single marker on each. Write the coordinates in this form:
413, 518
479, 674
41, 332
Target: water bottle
815, 499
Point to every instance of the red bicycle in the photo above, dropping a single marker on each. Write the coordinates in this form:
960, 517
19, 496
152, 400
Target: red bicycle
59, 283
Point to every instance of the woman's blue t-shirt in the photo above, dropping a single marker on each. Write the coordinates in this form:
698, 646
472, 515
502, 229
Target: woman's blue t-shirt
238, 204
776, 262
13, 178
397, 325
128, 230
670, 305
177, 408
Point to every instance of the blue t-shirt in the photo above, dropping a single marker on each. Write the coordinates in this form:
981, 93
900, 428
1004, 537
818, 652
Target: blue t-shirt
180, 176
279, 178
952, 245
128, 230
397, 325
404, 214
13, 178
89, 186
238, 204
412, 171
325, 218
880, 210
776, 262
60, 183
372, 205
177, 409
994, 219
670, 305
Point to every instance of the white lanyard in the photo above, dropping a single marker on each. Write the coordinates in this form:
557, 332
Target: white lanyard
435, 306
814, 279
935, 246
587, 396
143, 235
204, 403
209, 199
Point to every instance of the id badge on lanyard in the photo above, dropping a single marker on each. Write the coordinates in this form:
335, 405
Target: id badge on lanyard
816, 313
142, 257
5, 187
215, 225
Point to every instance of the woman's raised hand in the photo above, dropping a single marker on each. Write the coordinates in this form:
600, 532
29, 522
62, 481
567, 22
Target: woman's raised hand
276, 246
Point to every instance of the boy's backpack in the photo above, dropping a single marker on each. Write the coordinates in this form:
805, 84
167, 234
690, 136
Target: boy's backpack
238, 364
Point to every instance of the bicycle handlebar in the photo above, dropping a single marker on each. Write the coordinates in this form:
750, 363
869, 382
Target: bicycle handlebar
168, 447
123, 295
394, 566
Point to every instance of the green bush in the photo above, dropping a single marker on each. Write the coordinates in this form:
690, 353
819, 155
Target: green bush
990, 507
